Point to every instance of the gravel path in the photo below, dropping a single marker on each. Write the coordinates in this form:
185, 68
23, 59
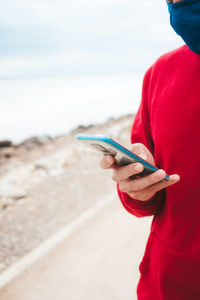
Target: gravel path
60, 179
98, 261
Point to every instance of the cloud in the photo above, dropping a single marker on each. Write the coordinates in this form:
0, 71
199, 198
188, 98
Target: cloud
47, 38
21, 66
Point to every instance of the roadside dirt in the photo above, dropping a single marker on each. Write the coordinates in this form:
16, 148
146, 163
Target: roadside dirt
45, 184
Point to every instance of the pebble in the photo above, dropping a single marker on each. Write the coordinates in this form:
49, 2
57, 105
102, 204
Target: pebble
12, 191
5, 201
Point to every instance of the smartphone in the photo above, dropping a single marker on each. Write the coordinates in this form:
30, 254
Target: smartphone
123, 156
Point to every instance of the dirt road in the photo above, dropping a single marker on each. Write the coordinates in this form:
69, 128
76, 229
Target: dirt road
98, 261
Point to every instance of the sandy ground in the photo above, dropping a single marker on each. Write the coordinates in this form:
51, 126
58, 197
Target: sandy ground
98, 261
44, 186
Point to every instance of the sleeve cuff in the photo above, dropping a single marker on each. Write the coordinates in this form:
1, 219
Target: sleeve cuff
139, 202
129, 199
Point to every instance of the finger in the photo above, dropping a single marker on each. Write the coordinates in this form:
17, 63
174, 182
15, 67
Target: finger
143, 155
123, 173
137, 148
143, 182
107, 162
150, 190
163, 184
140, 150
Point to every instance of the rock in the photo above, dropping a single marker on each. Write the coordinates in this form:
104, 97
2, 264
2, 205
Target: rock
54, 164
32, 141
48, 137
8, 152
81, 128
5, 143
5, 201
12, 191
39, 166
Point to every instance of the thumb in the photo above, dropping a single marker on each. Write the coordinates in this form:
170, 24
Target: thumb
142, 151
143, 155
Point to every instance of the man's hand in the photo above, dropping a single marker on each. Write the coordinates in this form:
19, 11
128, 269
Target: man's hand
145, 187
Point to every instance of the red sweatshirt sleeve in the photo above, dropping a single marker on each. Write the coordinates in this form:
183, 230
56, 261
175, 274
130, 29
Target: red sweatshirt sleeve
141, 133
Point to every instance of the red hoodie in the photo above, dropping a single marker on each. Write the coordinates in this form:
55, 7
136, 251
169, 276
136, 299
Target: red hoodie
168, 124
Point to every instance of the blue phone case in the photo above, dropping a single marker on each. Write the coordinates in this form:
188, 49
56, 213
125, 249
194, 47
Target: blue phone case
148, 168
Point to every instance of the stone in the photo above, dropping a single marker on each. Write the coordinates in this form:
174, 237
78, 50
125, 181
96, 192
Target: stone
31, 142
12, 191
8, 152
5, 201
5, 143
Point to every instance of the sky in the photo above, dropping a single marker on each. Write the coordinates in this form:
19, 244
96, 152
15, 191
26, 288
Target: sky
68, 62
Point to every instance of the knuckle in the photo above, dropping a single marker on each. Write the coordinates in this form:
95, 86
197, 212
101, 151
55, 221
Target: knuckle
124, 173
130, 170
139, 145
137, 167
157, 187
157, 176
136, 147
136, 185
130, 167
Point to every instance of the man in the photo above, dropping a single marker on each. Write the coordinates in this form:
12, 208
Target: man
166, 132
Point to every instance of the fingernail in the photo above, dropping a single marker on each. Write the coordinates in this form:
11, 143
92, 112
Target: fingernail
160, 173
142, 155
175, 177
138, 168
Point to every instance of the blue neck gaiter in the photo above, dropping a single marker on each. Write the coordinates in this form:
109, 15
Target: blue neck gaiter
185, 20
